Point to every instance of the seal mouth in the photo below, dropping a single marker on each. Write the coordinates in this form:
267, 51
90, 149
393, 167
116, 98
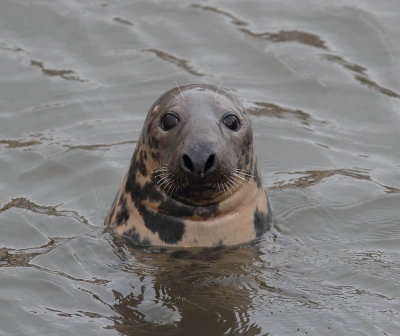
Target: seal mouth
200, 189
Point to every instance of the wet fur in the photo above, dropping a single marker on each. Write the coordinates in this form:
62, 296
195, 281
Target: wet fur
152, 212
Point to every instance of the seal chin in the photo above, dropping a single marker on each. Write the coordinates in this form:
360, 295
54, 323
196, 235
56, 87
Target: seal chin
200, 196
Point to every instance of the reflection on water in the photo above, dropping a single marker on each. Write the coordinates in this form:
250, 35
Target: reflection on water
182, 291
321, 84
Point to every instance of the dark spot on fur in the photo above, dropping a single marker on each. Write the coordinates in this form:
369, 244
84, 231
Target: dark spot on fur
154, 143
150, 192
172, 207
169, 228
145, 155
262, 222
123, 214
247, 140
208, 211
246, 159
139, 193
143, 136
140, 163
156, 156
135, 238
257, 177
168, 222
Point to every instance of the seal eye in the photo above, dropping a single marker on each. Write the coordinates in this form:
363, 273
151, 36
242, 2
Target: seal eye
232, 122
168, 121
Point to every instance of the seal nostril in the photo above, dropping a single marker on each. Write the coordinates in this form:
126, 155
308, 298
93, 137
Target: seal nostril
209, 163
188, 162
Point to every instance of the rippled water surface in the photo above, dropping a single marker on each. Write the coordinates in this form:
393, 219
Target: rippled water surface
321, 81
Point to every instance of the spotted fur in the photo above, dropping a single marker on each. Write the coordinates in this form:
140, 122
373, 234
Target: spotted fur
234, 208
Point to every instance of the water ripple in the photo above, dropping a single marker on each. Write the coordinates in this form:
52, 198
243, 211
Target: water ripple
235, 20
302, 37
65, 74
123, 21
98, 146
24, 203
19, 143
313, 177
181, 63
361, 75
280, 112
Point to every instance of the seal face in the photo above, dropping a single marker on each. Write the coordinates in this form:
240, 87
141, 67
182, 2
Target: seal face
193, 179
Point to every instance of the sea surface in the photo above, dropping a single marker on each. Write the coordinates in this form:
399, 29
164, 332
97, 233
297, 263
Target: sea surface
321, 82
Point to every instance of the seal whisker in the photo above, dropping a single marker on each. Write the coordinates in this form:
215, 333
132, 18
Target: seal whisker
176, 97
241, 177
161, 170
237, 180
224, 93
228, 91
244, 172
223, 187
164, 177
169, 188
180, 90
217, 92
228, 180
233, 184
164, 183
227, 187
166, 187
160, 174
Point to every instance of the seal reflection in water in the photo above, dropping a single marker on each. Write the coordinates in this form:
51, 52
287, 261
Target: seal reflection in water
193, 179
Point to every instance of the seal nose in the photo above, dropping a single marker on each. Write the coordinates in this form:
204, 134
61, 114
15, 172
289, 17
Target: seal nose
198, 165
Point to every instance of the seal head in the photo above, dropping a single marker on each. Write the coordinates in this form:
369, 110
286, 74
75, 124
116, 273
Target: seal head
193, 178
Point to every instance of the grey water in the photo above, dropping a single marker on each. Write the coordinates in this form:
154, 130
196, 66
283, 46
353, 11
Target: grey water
321, 82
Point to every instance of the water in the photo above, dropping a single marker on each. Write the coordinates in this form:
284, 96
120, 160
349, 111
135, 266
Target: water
321, 80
